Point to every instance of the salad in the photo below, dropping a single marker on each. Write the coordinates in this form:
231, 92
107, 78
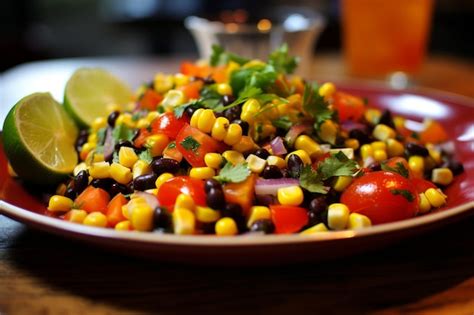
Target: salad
230, 146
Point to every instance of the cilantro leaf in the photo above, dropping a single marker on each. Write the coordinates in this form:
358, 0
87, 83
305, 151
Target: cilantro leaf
190, 144
251, 92
281, 61
233, 174
261, 76
337, 165
283, 122
315, 105
122, 132
399, 169
312, 181
146, 156
220, 57
404, 193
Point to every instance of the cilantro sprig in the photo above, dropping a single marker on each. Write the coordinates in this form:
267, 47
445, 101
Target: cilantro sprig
190, 144
404, 193
315, 105
399, 169
282, 61
233, 174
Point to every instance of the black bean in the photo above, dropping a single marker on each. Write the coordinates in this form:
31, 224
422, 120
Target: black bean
81, 139
161, 218
227, 99
81, 180
116, 188
104, 183
361, 135
285, 173
318, 205
386, 119
70, 193
243, 124
123, 143
375, 166
313, 218
208, 227
208, 80
211, 184
271, 171
416, 149
215, 199
295, 165
190, 111
262, 153
144, 182
164, 165
455, 166
263, 225
234, 211
112, 118
233, 113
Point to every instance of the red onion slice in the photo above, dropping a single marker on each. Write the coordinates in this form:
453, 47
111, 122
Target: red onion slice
271, 186
278, 147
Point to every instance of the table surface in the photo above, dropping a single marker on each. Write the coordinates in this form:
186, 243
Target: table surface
429, 274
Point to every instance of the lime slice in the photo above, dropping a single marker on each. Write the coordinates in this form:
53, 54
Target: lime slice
89, 93
38, 139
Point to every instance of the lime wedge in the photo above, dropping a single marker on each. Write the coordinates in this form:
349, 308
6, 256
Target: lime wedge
89, 93
38, 139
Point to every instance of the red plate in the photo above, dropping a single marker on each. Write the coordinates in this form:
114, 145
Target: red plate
456, 113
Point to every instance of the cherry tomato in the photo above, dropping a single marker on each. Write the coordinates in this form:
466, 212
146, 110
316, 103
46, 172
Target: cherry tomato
169, 191
382, 196
349, 107
150, 100
288, 219
194, 144
422, 185
399, 165
168, 124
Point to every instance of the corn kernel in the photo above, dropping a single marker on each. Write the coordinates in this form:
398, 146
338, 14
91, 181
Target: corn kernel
123, 226
258, 213
202, 172
372, 116
327, 89
120, 173
292, 195
435, 197
99, 170
302, 155
195, 117
224, 89
79, 167
378, 145
173, 98
255, 163
85, 149
162, 83
352, 143
383, 132
424, 204
246, 144
416, 164
213, 160
142, 123
76, 216
184, 201
328, 131
162, 178
142, 217
97, 219
338, 216
125, 119
206, 120
152, 116
394, 148
207, 215
180, 79
248, 117
59, 203
307, 144
442, 176
380, 155
277, 161
92, 138
318, 228
358, 221
140, 167
231, 67
434, 154
98, 123
366, 151
342, 182
219, 129
125, 211
127, 156
234, 134
226, 227
251, 106
184, 221
156, 144
233, 157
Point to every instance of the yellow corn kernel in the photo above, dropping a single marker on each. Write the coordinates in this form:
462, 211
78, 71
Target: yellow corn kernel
140, 167
111, 107
352, 143
97, 219
172, 99
59, 203
180, 79
378, 145
424, 204
123, 226
142, 217
318, 228
202, 172
233, 157
342, 182
162, 178
226, 227
207, 215
76, 216
253, 63
338, 216
219, 129
366, 151
258, 213
416, 164
85, 149
184, 201
125, 211
234, 134
162, 83
125, 119
99, 123
213, 160
255, 163
383, 132
251, 106
120, 173
380, 155
184, 221
195, 118
399, 122
206, 120
302, 155
231, 67
435, 197
152, 191
307, 144
79, 167
394, 148
246, 144
127, 157
358, 221
156, 144
372, 115
430, 164
442, 176
277, 161
292, 195
92, 138
142, 123
152, 116
224, 89
99, 170
283, 109
328, 131
327, 89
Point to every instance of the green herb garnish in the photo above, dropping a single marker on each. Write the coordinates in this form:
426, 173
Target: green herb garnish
146, 156
282, 122
282, 61
404, 193
399, 169
190, 144
233, 174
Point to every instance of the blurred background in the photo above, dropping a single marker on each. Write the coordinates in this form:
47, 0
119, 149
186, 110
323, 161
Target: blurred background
48, 29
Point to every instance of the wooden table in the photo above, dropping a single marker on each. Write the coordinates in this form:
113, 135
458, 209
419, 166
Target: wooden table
430, 274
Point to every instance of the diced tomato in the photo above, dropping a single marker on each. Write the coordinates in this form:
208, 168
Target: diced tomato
168, 124
150, 100
203, 71
192, 89
288, 219
349, 107
169, 191
141, 138
93, 199
241, 193
197, 144
433, 132
172, 152
114, 210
